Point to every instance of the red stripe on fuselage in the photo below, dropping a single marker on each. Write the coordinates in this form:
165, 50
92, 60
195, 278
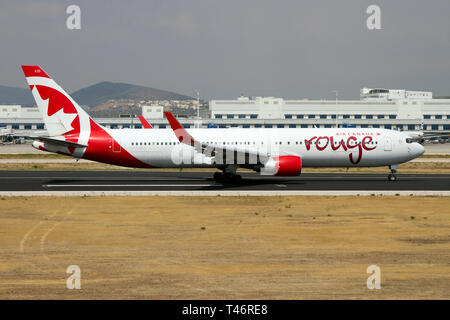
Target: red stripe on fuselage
100, 148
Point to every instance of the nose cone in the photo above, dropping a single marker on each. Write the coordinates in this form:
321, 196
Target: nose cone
37, 144
416, 150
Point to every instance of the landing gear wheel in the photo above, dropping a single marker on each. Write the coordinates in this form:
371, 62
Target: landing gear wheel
227, 178
236, 179
219, 177
392, 177
232, 178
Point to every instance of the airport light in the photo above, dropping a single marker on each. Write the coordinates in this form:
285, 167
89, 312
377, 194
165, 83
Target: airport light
198, 108
337, 113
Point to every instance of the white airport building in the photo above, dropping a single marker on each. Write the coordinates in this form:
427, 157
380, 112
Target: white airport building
377, 108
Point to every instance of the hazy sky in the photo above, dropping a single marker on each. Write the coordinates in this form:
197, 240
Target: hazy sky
290, 49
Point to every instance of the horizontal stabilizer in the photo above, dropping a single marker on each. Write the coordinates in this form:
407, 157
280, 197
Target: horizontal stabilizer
59, 141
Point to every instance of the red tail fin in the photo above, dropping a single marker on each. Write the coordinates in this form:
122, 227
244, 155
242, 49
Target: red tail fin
144, 122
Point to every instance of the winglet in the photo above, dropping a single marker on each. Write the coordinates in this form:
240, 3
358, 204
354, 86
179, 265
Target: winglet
145, 123
182, 135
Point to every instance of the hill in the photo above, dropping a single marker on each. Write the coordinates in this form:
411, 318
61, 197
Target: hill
10, 95
95, 95
104, 91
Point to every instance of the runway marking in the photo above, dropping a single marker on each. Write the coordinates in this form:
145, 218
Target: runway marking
125, 185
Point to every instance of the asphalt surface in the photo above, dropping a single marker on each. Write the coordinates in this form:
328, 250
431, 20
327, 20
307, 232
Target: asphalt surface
198, 181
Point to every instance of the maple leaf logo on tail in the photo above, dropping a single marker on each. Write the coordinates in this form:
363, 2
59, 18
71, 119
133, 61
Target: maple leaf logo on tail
71, 130
61, 114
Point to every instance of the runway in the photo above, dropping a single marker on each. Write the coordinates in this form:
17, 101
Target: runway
173, 181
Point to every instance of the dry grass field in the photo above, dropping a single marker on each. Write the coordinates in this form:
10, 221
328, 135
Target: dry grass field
225, 247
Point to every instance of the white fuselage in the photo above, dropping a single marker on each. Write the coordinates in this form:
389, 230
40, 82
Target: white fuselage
343, 147
270, 151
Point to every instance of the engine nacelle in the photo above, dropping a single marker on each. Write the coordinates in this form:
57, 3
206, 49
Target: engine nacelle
282, 166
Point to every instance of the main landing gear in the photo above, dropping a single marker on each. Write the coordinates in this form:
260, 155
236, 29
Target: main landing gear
392, 176
228, 176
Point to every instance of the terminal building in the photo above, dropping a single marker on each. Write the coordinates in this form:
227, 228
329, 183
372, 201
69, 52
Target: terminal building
377, 108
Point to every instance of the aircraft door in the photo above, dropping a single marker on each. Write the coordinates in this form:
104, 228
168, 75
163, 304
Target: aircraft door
115, 146
387, 144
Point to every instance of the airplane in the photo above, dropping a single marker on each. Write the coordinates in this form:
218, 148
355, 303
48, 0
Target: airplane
6, 135
421, 137
416, 135
5, 131
268, 151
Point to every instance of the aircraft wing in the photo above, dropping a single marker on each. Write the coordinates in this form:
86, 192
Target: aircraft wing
216, 151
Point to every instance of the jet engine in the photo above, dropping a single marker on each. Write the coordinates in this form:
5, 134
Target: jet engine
282, 166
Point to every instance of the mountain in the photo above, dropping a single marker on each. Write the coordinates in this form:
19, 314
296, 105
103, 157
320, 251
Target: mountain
95, 95
104, 91
10, 95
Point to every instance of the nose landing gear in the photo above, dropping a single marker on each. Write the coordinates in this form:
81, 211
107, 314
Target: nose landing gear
392, 176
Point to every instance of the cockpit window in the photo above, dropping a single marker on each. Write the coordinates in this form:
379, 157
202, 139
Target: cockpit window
409, 140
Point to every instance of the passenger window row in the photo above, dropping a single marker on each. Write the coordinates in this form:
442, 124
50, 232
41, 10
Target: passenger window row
238, 143
154, 143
